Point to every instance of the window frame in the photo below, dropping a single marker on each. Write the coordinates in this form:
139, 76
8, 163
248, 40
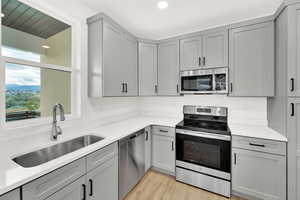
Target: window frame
74, 69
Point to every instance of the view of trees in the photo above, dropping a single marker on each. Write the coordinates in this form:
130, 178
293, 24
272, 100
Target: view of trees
21, 98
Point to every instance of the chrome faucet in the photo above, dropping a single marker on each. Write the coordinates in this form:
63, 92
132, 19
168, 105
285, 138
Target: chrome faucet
56, 130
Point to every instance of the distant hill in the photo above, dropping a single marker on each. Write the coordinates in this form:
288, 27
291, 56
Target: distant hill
22, 88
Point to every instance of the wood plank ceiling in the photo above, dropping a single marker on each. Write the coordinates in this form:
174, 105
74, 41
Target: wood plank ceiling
24, 18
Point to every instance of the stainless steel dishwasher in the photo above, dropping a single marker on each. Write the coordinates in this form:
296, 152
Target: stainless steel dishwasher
131, 161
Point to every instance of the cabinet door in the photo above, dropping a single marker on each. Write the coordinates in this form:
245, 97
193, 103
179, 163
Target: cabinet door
293, 51
251, 60
148, 142
191, 53
259, 175
163, 153
12, 195
293, 126
103, 181
128, 67
168, 69
74, 191
147, 69
113, 67
215, 49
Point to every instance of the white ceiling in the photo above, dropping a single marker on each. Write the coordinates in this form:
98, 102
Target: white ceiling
144, 19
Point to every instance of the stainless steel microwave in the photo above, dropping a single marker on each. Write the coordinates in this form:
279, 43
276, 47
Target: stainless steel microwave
204, 81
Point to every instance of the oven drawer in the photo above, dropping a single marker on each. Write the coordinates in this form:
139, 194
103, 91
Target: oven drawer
163, 130
268, 146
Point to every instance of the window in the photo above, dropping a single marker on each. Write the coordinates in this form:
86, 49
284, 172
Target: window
37, 62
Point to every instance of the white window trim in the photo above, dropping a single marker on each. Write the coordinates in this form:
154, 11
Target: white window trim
74, 69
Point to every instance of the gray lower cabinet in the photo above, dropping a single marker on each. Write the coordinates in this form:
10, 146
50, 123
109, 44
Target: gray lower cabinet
251, 60
49, 184
147, 69
102, 182
168, 68
163, 152
92, 177
12, 195
293, 127
258, 170
148, 146
73, 191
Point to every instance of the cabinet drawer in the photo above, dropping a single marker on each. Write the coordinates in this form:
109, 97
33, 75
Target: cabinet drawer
12, 195
163, 130
268, 146
99, 157
47, 185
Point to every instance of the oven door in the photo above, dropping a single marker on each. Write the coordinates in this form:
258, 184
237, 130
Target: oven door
197, 81
204, 152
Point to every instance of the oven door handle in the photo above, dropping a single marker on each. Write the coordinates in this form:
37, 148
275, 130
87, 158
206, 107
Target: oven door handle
204, 135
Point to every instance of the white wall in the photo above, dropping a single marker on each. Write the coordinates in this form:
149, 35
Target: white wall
241, 110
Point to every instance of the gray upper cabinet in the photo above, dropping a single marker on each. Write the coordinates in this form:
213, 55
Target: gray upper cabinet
12, 195
191, 53
112, 60
74, 191
215, 49
102, 182
251, 60
113, 69
258, 175
293, 129
207, 50
168, 68
128, 68
147, 69
293, 61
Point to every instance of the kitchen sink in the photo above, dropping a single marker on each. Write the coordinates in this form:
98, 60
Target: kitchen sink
41, 156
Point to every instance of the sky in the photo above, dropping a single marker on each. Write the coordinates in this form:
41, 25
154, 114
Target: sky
21, 74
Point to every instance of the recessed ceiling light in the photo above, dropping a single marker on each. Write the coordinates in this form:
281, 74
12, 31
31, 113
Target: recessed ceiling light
46, 47
162, 4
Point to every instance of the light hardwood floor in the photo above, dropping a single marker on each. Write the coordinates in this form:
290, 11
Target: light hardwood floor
157, 186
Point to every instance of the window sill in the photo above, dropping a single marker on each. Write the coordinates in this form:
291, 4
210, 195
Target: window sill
28, 123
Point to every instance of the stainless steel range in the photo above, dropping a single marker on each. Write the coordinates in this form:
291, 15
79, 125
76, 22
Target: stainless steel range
203, 149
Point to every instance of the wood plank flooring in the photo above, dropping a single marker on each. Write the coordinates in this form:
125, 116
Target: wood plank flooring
157, 186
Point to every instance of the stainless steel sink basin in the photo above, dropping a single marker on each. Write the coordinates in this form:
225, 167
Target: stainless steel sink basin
44, 155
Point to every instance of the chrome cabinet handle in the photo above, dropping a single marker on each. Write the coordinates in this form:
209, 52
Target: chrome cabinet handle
231, 87
123, 87
199, 61
292, 84
91, 187
234, 158
204, 61
257, 145
172, 145
163, 131
156, 89
147, 136
177, 87
84, 191
126, 87
292, 109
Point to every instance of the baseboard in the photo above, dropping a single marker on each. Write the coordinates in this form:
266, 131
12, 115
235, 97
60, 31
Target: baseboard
163, 171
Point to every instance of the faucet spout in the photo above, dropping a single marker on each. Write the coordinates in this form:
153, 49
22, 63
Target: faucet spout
56, 130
